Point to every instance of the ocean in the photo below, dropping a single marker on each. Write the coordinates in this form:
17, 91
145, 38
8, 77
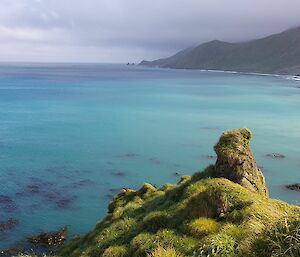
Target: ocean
72, 135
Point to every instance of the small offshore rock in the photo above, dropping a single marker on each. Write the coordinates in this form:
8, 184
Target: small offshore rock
41, 245
210, 157
275, 155
50, 239
177, 174
294, 187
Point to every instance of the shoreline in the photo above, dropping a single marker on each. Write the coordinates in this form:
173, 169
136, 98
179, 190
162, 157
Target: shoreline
284, 76
39, 245
287, 77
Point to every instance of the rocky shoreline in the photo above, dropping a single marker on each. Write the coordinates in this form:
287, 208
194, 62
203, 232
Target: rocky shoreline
235, 164
224, 210
47, 243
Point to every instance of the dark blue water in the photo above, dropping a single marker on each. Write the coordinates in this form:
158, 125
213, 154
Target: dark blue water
71, 135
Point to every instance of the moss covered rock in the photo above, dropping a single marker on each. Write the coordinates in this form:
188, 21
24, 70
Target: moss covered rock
236, 161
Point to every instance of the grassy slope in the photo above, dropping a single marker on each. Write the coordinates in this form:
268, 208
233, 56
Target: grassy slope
200, 216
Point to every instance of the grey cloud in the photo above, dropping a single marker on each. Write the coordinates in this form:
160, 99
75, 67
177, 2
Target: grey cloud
121, 30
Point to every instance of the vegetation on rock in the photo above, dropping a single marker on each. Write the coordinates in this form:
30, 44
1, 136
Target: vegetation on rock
236, 162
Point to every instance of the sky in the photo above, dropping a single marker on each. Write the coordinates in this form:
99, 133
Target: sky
132, 30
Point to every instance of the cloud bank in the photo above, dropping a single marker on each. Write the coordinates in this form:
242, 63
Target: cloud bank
131, 30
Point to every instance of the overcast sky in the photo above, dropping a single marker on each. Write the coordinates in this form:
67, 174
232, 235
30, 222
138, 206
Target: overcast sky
132, 30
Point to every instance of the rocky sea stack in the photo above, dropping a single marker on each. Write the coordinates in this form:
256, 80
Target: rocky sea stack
221, 211
236, 161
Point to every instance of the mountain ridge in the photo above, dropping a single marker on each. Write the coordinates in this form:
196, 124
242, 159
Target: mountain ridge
275, 54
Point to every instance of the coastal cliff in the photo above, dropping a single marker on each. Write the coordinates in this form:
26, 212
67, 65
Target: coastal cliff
221, 211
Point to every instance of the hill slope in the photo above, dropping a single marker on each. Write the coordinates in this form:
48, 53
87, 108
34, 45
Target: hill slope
222, 211
279, 53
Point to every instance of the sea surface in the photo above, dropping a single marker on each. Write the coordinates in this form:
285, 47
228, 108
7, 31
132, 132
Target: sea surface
72, 135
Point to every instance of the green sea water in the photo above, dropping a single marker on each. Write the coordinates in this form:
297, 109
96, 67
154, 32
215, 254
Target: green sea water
72, 135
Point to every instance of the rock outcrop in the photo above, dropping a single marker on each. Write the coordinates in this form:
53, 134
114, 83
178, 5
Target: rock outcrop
236, 161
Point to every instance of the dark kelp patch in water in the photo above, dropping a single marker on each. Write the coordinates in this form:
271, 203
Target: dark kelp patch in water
8, 225
60, 196
7, 204
117, 173
4, 199
155, 160
127, 155
82, 183
66, 202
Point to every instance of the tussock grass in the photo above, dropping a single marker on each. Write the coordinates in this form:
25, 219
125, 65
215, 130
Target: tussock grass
202, 216
164, 252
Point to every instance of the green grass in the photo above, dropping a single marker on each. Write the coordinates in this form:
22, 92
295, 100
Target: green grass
209, 216
281, 240
164, 252
202, 227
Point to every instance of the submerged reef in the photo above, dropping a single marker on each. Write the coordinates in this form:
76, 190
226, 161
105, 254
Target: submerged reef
8, 225
224, 210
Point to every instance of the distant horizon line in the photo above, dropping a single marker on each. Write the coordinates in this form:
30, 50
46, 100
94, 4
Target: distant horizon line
63, 62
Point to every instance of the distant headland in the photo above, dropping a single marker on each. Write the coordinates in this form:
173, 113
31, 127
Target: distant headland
275, 54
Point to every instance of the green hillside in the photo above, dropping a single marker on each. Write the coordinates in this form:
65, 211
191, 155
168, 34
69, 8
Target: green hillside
279, 53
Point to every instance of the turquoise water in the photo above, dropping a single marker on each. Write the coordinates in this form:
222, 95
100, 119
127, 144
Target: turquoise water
72, 135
